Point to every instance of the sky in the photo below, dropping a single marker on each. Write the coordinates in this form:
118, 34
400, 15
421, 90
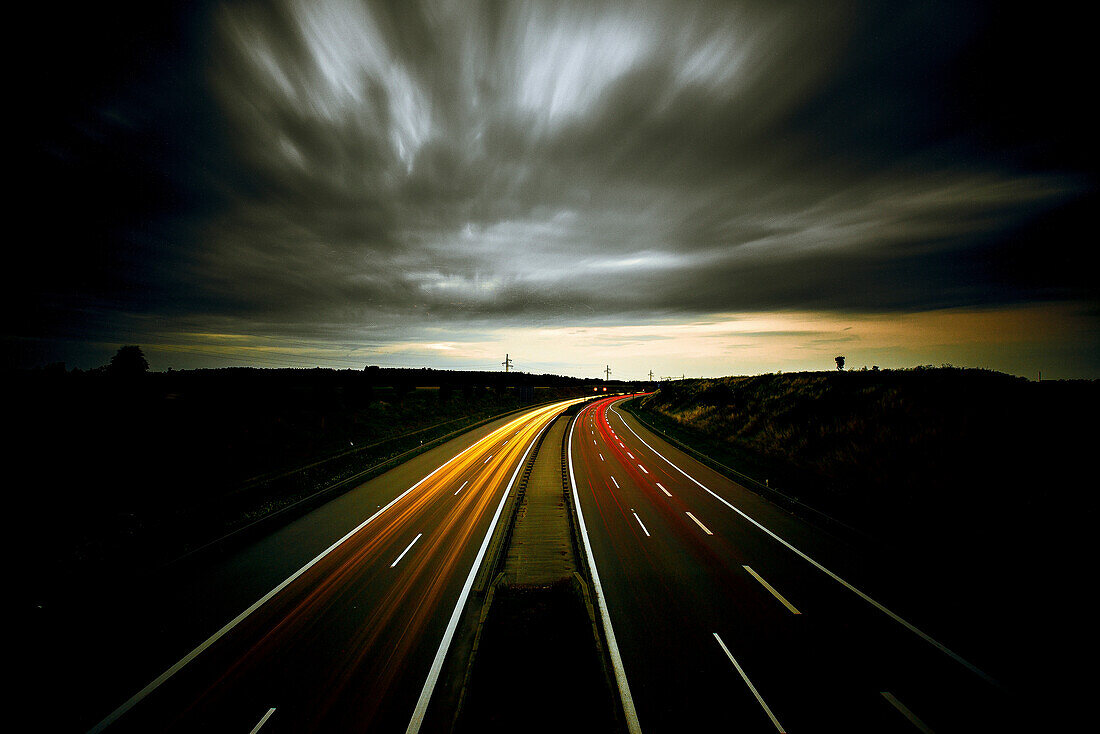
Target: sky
687, 188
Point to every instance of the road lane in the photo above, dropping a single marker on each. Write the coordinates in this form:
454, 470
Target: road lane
697, 575
348, 642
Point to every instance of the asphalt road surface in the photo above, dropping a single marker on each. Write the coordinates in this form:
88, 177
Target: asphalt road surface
337, 622
728, 612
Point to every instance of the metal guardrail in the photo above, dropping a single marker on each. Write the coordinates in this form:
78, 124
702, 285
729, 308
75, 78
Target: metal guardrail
337, 487
765, 490
582, 578
571, 511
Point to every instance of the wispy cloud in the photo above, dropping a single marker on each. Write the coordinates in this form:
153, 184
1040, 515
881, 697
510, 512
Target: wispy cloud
333, 168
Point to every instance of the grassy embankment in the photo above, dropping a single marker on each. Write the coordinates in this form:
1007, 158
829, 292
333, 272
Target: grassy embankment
942, 454
125, 474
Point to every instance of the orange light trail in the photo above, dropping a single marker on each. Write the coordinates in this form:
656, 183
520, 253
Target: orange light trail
363, 626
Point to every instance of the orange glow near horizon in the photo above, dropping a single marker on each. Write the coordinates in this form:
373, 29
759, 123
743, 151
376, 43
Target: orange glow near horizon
1053, 337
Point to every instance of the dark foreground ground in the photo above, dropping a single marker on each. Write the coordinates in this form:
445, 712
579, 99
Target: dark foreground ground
537, 667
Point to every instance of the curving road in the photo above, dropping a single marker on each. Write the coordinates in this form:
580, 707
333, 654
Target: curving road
729, 612
352, 638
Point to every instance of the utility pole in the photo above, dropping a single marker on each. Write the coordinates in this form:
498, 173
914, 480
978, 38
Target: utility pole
607, 373
651, 375
507, 362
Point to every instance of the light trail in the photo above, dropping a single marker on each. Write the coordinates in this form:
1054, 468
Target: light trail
630, 713
314, 596
421, 708
835, 577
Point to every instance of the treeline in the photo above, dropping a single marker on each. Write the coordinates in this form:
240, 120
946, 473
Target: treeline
316, 390
120, 466
370, 375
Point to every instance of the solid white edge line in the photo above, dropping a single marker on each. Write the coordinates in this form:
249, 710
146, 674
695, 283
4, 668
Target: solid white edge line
903, 622
644, 530
137, 697
421, 708
263, 721
759, 698
407, 549
904, 710
629, 712
770, 588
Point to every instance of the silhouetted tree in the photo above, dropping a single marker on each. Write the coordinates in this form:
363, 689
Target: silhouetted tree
839, 362
128, 361
402, 388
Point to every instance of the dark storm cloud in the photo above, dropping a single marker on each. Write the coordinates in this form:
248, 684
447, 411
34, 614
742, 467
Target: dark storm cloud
318, 166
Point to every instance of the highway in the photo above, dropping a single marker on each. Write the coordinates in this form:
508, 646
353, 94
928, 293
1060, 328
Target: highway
727, 611
351, 638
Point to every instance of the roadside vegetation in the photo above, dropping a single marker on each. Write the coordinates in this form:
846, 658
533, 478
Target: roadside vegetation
902, 455
120, 469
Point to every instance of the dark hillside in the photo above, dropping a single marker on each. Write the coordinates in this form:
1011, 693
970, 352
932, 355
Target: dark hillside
114, 472
896, 451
